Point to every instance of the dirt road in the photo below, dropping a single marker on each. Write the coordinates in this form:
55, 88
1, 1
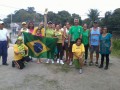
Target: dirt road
57, 77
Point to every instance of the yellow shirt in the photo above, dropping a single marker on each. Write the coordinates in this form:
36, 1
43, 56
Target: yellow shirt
78, 50
42, 31
16, 50
59, 35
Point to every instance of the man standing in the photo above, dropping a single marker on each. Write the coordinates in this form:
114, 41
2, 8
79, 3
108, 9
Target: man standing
94, 42
4, 40
75, 32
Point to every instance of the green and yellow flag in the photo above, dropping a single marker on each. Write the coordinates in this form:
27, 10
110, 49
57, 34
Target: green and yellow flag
40, 47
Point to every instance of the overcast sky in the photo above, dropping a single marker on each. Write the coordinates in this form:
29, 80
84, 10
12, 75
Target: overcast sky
80, 7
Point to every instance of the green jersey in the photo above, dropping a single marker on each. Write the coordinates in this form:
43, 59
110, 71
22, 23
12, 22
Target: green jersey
75, 32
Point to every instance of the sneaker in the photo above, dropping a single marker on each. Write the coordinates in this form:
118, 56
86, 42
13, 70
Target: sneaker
101, 66
47, 60
80, 71
85, 63
52, 61
5, 64
58, 61
96, 64
70, 63
91, 63
61, 62
13, 64
106, 68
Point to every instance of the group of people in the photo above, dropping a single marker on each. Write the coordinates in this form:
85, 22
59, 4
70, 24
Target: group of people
73, 44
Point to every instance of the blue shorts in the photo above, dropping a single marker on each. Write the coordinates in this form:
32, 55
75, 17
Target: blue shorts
94, 49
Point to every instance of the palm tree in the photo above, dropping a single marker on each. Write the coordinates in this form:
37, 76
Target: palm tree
93, 14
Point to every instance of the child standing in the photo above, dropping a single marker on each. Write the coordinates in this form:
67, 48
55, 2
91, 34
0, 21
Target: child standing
38, 33
60, 43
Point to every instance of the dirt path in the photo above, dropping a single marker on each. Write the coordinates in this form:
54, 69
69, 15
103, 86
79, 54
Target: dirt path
57, 77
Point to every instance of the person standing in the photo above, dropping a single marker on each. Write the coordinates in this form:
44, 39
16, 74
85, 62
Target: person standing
105, 47
74, 33
85, 41
94, 42
60, 43
23, 29
50, 34
65, 34
31, 27
4, 43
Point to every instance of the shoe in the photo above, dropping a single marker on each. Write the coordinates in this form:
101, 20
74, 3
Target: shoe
80, 71
58, 61
85, 63
61, 62
101, 66
70, 63
47, 60
5, 64
13, 64
91, 63
106, 68
96, 64
52, 61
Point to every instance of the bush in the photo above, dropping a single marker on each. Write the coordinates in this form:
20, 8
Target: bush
116, 44
116, 47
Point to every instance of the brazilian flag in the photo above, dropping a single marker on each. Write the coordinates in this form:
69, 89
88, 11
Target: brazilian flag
40, 47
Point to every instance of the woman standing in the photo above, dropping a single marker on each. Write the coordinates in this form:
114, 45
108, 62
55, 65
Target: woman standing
105, 47
31, 27
78, 52
85, 41
60, 43
66, 31
49, 33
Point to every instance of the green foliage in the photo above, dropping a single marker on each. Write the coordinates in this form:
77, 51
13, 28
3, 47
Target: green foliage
116, 47
31, 15
93, 14
116, 44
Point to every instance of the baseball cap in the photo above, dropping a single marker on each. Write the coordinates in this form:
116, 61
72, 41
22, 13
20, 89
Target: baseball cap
19, 38
95, 21
23, 23
1, 22
49, 22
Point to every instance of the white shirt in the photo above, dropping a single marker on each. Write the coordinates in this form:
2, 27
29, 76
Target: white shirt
4, 34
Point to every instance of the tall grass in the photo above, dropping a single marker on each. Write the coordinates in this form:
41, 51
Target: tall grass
116, 47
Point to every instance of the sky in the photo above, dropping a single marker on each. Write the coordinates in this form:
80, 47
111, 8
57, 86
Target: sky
80, 7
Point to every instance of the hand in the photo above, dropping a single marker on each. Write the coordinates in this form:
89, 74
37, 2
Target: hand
63, 44
80, 57
8, 46
110, 49
68, 44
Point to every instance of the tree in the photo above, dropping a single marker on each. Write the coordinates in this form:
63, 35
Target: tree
93, 14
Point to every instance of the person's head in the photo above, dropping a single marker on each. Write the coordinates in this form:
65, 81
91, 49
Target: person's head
78, 41
41, 24
1, 24
53, 26
67, 25
95, 24
60, 26
19, 40
57, 26
30, 25
39, 30
49, 24
24, 24
85, 26
76, 21
104, 29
